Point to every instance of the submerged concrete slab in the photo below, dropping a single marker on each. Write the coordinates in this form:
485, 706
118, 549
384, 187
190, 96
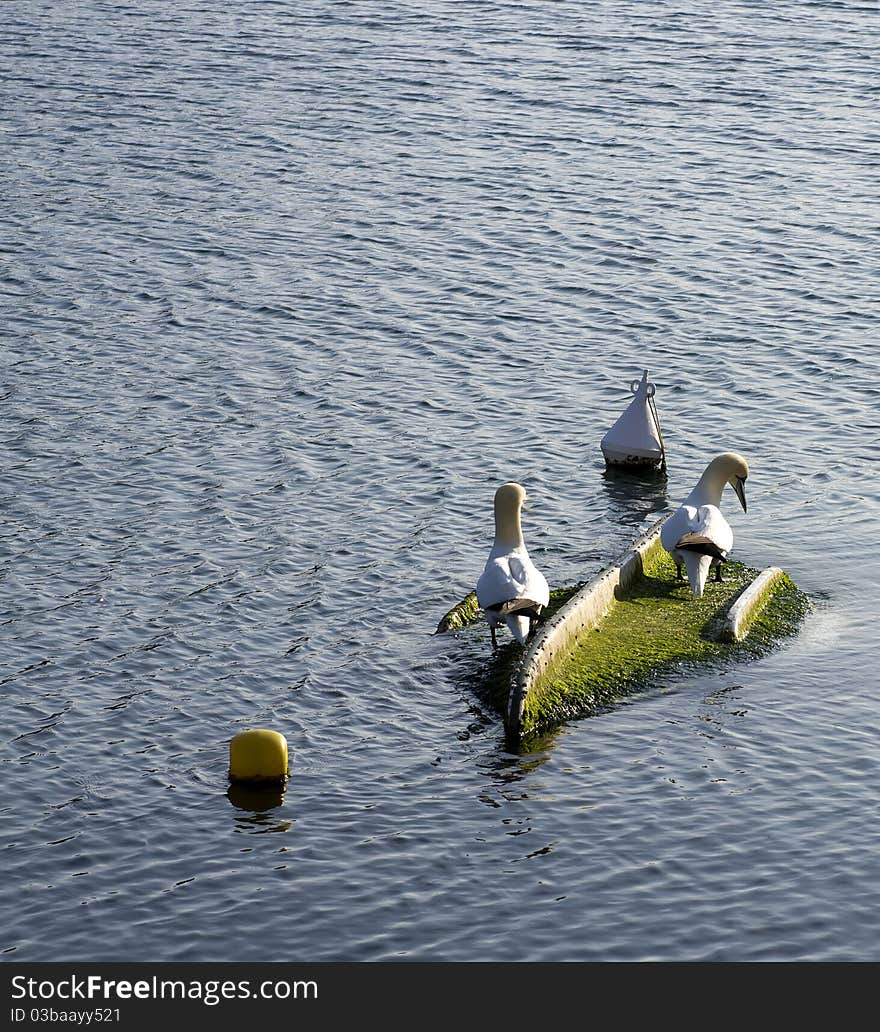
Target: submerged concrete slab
552, 644
740, 616
629, 623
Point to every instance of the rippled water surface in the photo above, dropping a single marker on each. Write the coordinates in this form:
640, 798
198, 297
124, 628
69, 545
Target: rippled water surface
288, 290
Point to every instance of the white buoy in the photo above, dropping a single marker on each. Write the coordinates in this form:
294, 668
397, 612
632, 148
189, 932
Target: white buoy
636, 439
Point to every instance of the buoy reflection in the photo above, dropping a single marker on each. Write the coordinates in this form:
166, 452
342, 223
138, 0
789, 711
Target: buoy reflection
258, 803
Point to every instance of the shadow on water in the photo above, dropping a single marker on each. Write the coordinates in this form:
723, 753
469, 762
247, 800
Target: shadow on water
484, 676
258, 802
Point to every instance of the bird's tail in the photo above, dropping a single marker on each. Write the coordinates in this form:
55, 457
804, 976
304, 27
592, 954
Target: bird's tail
519, 626
697, 565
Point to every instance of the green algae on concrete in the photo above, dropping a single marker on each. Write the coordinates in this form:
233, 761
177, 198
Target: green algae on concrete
650, 623
465, 612
655, 625
492, 682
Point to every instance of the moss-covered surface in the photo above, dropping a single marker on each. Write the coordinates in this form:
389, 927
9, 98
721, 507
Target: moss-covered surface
494, 681
466, 612
656, 627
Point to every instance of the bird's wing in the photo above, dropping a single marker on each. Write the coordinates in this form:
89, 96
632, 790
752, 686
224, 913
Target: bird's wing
495, 584
698, 529
534, 584
677, 524
707, 531
512, 576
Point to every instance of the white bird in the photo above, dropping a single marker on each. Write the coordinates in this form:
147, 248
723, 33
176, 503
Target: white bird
696, 534
511, 589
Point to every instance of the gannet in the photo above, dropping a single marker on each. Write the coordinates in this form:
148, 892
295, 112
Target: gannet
511, 589
696, 534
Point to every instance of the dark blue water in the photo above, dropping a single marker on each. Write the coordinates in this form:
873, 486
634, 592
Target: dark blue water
287, 291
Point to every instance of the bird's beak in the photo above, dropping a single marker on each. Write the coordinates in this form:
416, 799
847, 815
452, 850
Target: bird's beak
739, 485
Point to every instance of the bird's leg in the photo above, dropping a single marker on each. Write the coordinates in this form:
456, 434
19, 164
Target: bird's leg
494, 642
678, 574
718, 576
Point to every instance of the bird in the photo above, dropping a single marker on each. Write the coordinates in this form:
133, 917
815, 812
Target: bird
697, 535
511, 589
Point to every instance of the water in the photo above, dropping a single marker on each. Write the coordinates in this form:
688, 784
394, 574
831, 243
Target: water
288, 290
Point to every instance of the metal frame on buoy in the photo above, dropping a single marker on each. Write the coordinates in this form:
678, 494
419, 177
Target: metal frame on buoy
659, 430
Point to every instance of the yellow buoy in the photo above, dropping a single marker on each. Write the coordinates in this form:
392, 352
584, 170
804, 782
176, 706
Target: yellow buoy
258, 755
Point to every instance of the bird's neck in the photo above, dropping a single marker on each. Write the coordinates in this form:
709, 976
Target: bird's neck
709, 488
508, 530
